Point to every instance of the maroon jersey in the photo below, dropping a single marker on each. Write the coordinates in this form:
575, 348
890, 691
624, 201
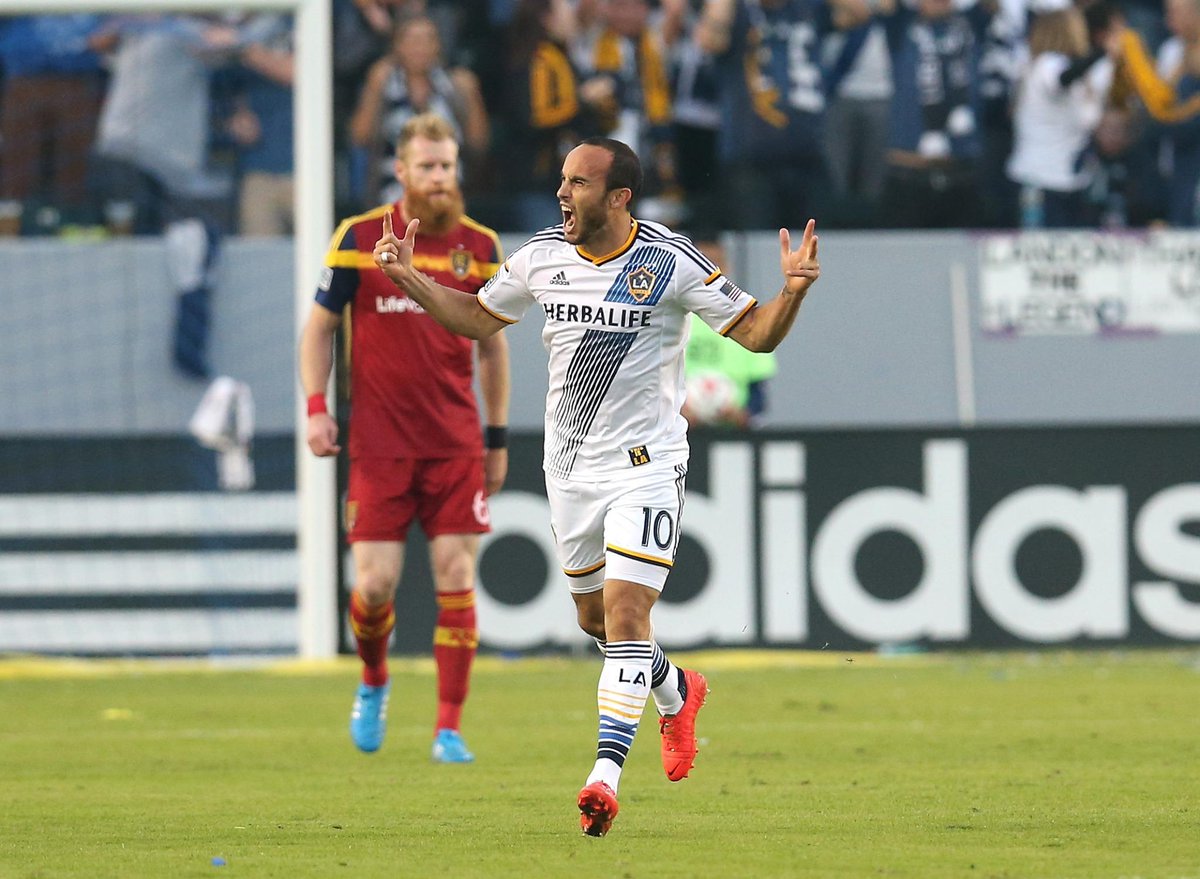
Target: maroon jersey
411, 380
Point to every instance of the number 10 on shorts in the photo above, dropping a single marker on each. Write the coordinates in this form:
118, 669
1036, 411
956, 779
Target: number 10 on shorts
659, 526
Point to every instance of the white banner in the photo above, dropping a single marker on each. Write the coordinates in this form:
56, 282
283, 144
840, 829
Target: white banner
1090, 282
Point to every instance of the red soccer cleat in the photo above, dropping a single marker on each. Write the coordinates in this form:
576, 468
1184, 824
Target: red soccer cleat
597, 808
679, 730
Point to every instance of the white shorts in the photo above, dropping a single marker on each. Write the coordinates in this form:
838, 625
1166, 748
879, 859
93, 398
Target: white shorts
620, 527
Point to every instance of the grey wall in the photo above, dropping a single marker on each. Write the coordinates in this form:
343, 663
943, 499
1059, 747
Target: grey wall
872, 344
87, 329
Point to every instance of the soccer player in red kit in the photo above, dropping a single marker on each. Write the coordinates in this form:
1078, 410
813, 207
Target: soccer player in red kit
416, 443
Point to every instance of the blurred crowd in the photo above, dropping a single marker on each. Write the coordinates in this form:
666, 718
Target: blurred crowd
747, 114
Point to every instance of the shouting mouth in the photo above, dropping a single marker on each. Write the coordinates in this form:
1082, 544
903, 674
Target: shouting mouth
568, 219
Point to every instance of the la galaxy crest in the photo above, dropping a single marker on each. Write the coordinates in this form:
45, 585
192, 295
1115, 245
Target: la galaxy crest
641, 283
460, 263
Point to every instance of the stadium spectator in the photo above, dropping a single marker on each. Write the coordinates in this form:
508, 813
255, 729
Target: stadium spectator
1128, 191
261, 126
630, 47
933, 150
1059, 104
1149, 19
410, 80
415, 448
858, 82
380, 17
1171, 95
616, 293
550, 107
1128, 188
1002, 57
151, 155
772, 104
1183, 125
356, 46
49, 105
696, 112
362, 34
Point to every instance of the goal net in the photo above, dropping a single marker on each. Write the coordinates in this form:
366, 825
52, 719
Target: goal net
155, 495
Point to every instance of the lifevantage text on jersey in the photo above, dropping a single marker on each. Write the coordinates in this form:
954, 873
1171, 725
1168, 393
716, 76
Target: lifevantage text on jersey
397, 305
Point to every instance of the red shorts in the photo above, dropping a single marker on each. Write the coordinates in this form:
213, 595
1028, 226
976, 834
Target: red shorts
444, 494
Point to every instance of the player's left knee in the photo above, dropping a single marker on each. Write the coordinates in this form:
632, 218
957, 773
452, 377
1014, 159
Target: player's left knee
627, 621
455, 573
589, 613
592, 625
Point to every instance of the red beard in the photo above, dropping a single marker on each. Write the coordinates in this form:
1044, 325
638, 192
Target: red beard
437, 218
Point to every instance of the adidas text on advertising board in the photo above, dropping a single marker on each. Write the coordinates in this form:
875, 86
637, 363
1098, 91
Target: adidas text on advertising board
779, 573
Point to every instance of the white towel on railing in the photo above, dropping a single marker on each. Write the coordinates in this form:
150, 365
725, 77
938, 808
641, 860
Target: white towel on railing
224, 422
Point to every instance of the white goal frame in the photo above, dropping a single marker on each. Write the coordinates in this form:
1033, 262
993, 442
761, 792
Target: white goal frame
312, 141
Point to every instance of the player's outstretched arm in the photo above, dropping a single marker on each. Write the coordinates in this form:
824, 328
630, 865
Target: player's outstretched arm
456, 312
764, 326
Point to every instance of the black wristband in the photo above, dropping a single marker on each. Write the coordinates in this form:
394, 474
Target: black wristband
495, 437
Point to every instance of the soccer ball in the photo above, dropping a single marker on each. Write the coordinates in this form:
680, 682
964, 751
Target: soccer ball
709, 394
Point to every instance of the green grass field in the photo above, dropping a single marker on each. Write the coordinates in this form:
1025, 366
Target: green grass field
959, 765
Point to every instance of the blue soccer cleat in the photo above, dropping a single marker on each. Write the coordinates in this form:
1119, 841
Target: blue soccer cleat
449, 747
368, 719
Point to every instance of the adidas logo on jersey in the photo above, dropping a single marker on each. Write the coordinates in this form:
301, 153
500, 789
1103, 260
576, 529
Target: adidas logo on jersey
560, 279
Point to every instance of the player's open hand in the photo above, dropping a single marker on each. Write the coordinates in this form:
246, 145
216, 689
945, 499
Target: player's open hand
495, 470
394, 255
322, 435
800, 267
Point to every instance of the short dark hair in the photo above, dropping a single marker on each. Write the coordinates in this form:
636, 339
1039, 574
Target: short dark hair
625, 172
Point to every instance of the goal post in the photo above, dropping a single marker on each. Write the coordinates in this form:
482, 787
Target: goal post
316, 482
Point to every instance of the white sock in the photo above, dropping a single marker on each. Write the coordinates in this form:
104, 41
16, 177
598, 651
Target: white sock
621, 697
664, 682
606, 771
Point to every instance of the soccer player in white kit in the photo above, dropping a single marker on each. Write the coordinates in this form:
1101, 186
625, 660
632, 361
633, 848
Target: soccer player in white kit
616, 292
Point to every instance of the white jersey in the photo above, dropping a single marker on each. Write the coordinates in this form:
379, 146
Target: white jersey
1052, 126
616, 327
